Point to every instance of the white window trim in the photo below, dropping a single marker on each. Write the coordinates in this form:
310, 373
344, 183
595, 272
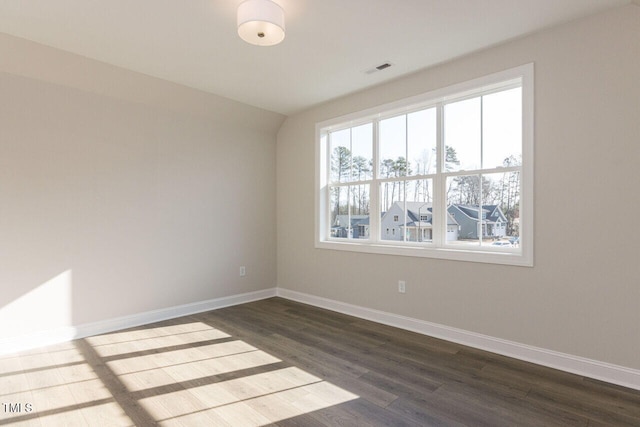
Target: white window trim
494, 255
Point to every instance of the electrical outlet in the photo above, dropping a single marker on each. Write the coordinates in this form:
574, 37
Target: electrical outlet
402, 286
243, 271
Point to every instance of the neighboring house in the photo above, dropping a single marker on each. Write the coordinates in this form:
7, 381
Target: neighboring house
462, 223
494, 223
356, 228
418, 226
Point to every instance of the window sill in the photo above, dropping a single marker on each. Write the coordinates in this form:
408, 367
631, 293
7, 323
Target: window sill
487, 256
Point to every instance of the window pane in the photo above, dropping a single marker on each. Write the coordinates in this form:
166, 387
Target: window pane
463, 197
359, 209
419, 223
362, 151
420, 190
462, 135
393, 147
502, 129
350, 207
392, 196
340, 155
339, 211
501, 201
421, 137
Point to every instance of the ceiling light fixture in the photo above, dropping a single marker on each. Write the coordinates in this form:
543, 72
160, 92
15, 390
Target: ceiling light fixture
261, 22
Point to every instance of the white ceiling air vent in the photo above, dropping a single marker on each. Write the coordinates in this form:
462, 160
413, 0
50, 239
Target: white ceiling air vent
380, 67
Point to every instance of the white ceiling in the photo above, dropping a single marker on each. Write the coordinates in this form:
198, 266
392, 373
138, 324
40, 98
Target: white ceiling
328, 45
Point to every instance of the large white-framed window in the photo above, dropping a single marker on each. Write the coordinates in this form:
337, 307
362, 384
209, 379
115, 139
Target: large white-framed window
446, 174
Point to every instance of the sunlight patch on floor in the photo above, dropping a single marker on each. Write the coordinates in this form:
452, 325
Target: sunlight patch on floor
226, 392
158, 377
155, 343
145, 333
107, 414
177, 374
272, 407
170, 358
45, 378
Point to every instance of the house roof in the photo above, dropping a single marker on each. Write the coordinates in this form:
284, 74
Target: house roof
493, 212
342, 220
417, 209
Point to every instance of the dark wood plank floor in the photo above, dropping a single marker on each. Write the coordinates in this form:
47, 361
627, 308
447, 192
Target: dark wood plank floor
278, 362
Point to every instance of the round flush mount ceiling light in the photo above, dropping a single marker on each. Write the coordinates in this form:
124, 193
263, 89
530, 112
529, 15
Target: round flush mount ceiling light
261, 22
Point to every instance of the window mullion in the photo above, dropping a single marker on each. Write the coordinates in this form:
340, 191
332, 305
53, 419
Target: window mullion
481, 202
374, 190
349, 188
327, 209
485, 171
406, 173
439, 183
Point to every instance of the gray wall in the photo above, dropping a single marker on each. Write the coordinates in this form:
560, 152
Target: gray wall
121, 194
582, 295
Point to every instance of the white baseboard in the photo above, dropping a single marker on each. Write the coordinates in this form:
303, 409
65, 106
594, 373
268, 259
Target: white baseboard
59, 335
615, 374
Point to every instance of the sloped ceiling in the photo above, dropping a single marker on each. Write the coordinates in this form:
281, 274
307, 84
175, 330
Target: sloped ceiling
328, 47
